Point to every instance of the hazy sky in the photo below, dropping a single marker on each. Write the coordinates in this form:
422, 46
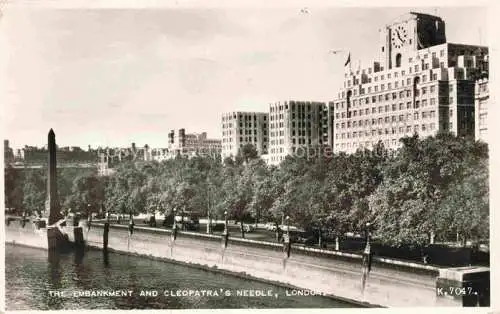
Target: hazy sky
112, 77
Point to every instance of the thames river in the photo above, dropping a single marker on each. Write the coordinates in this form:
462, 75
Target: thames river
90, 281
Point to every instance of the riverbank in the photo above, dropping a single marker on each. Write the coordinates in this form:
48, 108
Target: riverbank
390, 283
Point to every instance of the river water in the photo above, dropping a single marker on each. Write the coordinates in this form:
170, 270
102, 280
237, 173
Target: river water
88, 280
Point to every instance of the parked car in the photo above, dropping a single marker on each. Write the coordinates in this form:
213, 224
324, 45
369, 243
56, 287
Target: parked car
248, 228
270, 226
218, 227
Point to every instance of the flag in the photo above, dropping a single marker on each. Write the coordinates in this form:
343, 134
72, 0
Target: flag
348, 59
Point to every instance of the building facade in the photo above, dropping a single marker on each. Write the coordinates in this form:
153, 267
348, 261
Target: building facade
180, 143
482, 98
419, 84
297, 128
242, 128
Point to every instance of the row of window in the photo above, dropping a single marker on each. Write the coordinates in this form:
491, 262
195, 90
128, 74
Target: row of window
425, 67
246, 125
241, 117
230, 147
387, 97
387, 131
425, 114
246, 139
300, 107
387, 108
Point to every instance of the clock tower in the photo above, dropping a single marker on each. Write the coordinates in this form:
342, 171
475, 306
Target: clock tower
407, 34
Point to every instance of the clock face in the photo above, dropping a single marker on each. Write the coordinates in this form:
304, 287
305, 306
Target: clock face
399, 36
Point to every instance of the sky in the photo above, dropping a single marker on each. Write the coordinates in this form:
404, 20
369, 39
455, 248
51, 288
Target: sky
110, 77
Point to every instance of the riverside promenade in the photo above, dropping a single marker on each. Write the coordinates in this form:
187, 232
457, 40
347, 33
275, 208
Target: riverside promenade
390, 283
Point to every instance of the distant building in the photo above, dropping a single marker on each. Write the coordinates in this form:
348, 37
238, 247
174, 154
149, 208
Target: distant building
243, 128
420, 84
297, 127
8, 153
482, 98
180, 143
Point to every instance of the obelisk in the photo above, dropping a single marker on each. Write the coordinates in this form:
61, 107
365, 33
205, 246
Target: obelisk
53, 198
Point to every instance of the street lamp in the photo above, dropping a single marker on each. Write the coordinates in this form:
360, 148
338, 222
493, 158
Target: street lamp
89, 217
225, 222
367, 236
225, 236
287, 242
174, 227
288, 226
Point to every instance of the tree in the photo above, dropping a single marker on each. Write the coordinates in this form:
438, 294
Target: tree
13, 188
34, 192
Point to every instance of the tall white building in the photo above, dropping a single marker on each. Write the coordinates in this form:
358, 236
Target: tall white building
419, 84
297, 127
242, 128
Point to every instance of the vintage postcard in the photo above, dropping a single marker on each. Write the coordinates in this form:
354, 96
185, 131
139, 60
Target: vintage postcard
215, 157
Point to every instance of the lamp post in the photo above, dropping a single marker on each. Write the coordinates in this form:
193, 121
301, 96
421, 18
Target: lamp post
89, 217
367, 236
287, 243
174, 227
367, 256
226, 231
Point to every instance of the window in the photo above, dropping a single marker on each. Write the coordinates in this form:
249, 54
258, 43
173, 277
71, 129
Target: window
382, 87
433, 89
389, 85
424, 90
424, 78
386, 108
401, 117
401, 106
434, 54
394, 108
441, 65
408, 105
389, 75
376, 88
396, 84
417, 104
369, 89
426, 56
417, 68
415, 116
424, 103
441, 53
408, 81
